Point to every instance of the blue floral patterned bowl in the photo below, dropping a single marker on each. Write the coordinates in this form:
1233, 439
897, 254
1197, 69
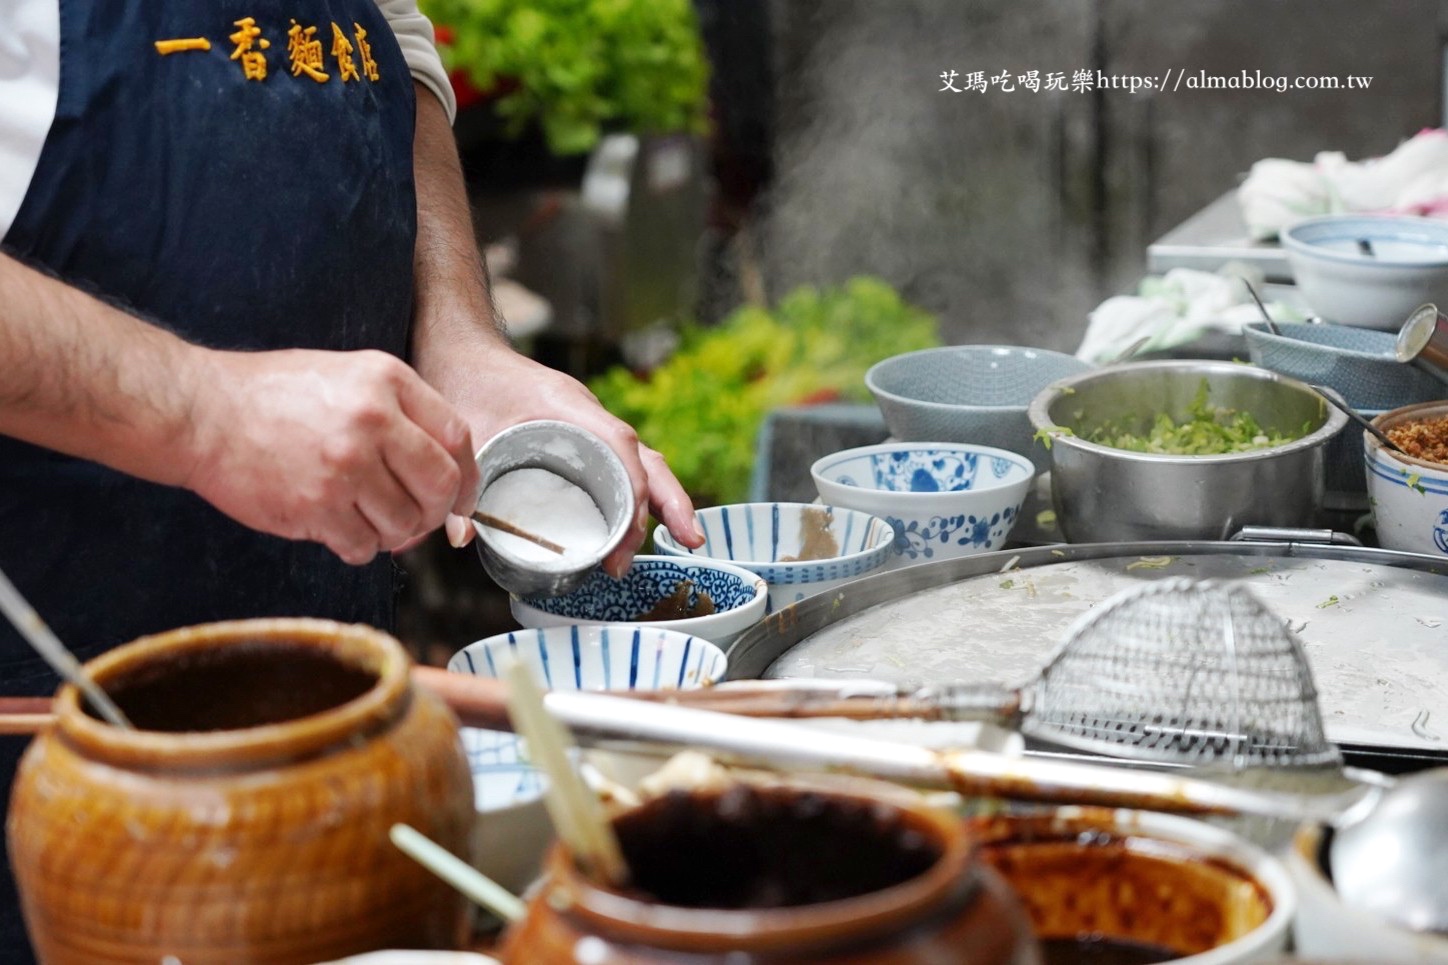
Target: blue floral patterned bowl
1408, 495
944, 500
769, 539
738, 596
1358, 362
608, 657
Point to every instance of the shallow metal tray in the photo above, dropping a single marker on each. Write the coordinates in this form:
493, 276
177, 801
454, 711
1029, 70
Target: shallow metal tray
1374, 624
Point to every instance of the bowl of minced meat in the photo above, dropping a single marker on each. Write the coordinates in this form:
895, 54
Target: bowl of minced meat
1408, 491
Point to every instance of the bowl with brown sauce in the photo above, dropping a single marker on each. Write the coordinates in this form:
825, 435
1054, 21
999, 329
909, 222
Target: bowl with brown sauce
799, 548
1408, 491
704, 598
1120, 887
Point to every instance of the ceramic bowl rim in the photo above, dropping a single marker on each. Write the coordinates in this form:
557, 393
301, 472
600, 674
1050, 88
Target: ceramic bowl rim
1424, 228
754, 607
882, 549
1373, 448
1004, 351
1334, 422
1259, 330
994, 485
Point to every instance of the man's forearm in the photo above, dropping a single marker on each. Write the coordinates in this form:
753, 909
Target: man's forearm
451, 283
81, 377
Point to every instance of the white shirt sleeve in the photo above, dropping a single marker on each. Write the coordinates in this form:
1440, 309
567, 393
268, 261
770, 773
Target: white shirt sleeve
29, 88
415, 37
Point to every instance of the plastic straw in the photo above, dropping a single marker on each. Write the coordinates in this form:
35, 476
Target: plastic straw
457, 872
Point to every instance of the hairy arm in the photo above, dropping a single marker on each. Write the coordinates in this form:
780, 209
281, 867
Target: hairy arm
352, 449
89, 380
460, 346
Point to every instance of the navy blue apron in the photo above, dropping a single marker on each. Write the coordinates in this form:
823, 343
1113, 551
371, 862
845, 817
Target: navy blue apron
246, 183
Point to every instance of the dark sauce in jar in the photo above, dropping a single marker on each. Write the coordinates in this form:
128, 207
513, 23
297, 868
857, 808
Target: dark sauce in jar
756, 847
236, 686
1100, 950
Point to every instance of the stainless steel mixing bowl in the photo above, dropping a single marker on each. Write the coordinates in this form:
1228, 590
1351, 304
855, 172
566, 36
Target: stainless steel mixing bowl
1104, 494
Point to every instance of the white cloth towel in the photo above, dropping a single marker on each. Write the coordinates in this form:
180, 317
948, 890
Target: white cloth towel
1412, 179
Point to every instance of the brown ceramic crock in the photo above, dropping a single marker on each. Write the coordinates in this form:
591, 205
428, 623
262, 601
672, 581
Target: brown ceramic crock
956, 912
264, 841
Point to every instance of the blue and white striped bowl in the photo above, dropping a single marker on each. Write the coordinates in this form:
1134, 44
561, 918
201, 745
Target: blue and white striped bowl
766, 538
606, 657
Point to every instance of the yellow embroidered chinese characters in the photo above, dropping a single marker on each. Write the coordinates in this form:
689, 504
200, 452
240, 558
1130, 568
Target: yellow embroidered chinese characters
164, 47
364, 50
248, 49
342, 50
305, 52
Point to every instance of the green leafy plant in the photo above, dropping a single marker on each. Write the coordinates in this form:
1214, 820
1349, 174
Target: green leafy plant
578, 66
703, 407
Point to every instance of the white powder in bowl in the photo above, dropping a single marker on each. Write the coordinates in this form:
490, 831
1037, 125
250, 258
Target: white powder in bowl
547, 505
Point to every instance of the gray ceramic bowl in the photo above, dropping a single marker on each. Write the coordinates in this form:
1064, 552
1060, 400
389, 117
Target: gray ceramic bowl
579, 457
1358, 362
968, 393
1104, 494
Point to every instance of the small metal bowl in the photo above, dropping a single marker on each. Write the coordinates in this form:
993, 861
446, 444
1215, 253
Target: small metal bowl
579, 457
1104, 494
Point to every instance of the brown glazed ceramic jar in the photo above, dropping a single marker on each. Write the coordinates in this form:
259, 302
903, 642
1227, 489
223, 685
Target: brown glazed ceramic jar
828, 895
246, 818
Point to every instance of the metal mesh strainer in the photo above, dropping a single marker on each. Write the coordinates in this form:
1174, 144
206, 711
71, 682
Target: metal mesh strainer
1174, 671
1185, 672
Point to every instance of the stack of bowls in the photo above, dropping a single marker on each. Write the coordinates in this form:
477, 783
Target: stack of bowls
799, 548
944, 500
512, 828
1361, 366
968, 393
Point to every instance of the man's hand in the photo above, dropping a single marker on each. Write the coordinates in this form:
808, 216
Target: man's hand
350, 449
459, 347
495, 387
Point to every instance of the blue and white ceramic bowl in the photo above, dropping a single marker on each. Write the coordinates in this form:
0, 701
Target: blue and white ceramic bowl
769, 538
739, 598
1358, 362
1368, 270
943, 499
968, 393
1408, 496
608, 657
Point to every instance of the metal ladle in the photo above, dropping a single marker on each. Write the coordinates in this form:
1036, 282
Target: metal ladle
1394, 860
1357, 417
1423, 342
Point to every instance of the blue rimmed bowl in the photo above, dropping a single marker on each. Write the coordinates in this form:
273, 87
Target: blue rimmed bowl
770, 538
1368, 270
739, 598
943, 499
512, 830
1358, 362
1408, 496
968, 393
606, 657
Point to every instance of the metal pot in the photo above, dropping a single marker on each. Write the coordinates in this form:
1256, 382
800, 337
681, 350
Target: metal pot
1104, 494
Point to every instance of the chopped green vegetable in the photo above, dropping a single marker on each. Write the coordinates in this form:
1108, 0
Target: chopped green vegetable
1046, 518
1330, 601
1045, 434
1260, 569
1210, 430
1151, 563
1415, 481
1007, 584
